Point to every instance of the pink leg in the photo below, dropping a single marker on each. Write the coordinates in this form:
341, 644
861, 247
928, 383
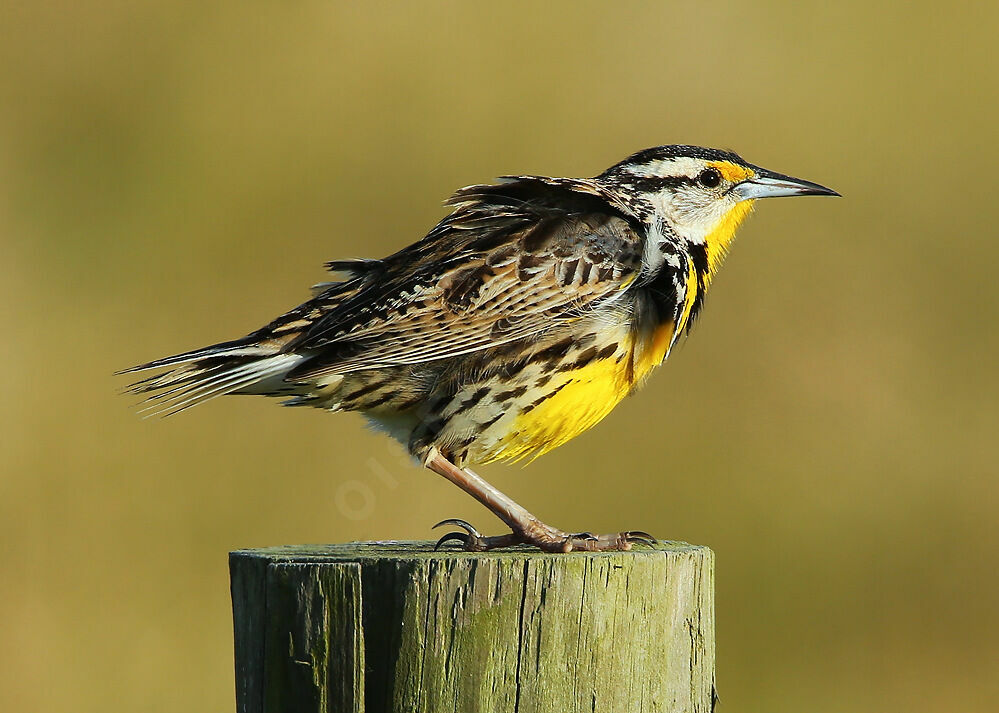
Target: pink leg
526, 528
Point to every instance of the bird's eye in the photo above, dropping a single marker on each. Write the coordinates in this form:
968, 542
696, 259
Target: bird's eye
710, 178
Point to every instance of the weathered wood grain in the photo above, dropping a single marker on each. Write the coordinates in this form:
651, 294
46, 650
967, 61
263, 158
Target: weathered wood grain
379, 627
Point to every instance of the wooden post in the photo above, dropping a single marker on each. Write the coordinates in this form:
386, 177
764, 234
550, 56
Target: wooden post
380, 627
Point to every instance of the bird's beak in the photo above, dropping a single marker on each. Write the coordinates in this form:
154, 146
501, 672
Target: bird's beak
767, 184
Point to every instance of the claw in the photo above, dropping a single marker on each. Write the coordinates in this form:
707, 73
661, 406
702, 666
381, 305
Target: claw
584, 536
640, 536
467, 526
459, 536
468, 537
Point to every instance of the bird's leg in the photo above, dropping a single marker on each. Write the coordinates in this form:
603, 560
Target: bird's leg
526, 528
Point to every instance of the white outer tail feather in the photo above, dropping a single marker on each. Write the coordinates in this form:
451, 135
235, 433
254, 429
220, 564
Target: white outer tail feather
216, 381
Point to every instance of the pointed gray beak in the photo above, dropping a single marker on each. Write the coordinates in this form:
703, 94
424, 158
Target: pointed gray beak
767, 184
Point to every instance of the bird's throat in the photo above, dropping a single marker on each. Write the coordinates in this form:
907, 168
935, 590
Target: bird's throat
717, 242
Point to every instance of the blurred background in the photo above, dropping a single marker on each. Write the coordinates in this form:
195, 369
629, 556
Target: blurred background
172, 175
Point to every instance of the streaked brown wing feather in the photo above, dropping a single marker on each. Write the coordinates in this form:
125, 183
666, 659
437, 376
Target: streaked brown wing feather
487, 275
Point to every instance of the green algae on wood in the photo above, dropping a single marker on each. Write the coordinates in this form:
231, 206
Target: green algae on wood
395, 626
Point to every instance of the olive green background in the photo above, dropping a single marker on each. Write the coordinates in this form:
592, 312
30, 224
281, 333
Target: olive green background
174, 174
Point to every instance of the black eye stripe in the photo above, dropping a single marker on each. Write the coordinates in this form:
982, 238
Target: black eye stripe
654, 184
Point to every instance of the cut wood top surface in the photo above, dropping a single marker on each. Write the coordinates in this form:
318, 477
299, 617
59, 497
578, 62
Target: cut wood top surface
424, 549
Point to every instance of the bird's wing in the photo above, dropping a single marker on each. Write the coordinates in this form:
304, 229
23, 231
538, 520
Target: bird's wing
496, 270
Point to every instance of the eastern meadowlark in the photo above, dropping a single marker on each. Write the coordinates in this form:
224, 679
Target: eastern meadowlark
517, 323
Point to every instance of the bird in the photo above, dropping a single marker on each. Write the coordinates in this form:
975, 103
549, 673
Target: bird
515, 324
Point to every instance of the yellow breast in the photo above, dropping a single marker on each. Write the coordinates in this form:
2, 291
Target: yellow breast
579, 399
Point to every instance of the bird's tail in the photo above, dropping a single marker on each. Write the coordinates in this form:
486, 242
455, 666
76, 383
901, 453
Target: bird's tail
244, 365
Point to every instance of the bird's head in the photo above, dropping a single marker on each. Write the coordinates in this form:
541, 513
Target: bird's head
701, 194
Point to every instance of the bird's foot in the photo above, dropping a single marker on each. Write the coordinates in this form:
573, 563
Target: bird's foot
544, 537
